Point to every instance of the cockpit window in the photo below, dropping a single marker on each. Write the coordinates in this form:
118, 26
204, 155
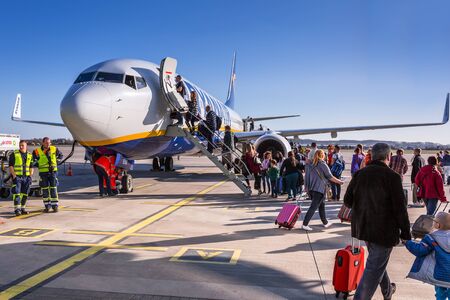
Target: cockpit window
129, 80
140, 83
84, 77
109, 77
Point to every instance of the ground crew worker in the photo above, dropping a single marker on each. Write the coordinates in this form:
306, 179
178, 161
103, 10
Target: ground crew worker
47, 157
20, 168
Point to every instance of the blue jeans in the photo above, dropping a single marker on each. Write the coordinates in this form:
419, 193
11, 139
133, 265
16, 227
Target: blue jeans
291, 184
431, 205
274, 185
375, 273
336, 190
442, 293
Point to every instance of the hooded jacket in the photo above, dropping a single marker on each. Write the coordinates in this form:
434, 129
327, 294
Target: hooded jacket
432, 264
430, 184
376, 198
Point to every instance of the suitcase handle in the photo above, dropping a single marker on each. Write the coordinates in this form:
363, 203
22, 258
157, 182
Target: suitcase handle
353, 246
439, 207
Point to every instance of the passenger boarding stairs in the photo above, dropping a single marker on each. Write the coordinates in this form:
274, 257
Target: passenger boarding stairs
178, 104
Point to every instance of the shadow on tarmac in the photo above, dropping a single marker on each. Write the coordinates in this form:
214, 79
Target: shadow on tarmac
128, 276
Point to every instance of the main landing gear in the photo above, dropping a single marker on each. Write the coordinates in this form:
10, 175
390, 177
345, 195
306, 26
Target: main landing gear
167, 162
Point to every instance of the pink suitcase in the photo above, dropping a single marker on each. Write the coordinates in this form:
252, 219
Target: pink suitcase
288, 216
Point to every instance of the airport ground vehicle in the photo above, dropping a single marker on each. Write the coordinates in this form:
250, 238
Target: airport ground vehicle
9, 143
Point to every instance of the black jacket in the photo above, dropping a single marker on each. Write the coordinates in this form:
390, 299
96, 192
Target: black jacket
379, 214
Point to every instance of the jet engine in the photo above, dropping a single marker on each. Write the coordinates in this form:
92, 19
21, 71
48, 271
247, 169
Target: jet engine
272, 142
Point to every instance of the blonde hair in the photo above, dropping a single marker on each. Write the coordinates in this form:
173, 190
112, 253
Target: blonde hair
319, 155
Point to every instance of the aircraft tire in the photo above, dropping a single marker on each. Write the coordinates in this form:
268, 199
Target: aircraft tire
127, 184
168, 164
156, 164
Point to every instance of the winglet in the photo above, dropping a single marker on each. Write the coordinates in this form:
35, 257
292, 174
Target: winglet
17, 111
446, 110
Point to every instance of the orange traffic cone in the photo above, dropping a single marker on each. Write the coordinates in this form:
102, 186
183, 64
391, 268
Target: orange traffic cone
69, 171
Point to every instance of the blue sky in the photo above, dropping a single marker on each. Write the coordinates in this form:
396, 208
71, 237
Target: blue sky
337, 63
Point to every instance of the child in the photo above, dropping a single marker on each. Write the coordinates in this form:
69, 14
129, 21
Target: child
273, 173
434, 269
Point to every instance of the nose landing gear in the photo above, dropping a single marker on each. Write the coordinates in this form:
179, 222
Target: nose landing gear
166, 161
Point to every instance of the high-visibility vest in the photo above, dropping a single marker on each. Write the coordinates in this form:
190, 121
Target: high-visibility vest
43, 160
18, 163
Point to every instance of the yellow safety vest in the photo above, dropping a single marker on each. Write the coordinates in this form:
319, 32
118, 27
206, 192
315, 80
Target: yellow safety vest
18, 163
43, 160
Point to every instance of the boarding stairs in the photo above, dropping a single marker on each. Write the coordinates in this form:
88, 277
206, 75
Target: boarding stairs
178, 104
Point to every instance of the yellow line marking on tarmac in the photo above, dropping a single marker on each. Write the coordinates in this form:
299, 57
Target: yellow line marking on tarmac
115, 232
40, 277
165, 203
144, 185
115, 246
41, 211
26, 232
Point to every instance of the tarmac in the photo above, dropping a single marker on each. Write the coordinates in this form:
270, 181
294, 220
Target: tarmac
187, 234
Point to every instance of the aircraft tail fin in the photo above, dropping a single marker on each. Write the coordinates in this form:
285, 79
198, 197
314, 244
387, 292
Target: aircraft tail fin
230, 96
17, 111
446, 110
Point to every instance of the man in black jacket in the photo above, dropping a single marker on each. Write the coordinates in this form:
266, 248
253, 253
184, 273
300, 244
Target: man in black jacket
417, 163
379, 217
211, 123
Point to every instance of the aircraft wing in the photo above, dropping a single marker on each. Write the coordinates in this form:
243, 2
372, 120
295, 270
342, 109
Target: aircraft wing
17, 114
271, 118
334, 130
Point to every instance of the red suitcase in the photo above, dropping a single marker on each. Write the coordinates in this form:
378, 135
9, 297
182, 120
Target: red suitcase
348, 269
288, 216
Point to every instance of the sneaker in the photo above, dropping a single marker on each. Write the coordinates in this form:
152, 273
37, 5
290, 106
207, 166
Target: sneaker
288, 199
24, 212
17, 212
307, 228
55, 208
327, 225
393, 289
47, 209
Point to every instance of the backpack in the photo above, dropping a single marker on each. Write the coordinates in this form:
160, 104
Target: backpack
337, 168
218, 122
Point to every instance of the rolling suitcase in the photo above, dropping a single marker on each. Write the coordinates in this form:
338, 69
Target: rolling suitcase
288, 216
424, 224
348, 269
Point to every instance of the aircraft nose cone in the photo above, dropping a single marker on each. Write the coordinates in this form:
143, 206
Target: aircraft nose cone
86, 110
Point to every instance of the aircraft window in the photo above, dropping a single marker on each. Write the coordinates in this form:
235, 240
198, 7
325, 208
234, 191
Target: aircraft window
109, 77
83, 77
140, 82
129, 80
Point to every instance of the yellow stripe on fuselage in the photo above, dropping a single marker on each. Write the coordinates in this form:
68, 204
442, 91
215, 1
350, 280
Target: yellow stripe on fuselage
132, 137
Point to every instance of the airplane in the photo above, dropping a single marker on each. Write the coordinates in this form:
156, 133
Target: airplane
125, 105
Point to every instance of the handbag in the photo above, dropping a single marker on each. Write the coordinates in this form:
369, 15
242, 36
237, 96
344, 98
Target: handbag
328, 192
345, 214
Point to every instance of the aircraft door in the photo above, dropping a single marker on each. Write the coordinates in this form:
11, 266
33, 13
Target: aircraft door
167, 82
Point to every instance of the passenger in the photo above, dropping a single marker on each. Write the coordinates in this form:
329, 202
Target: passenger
430, 185
254, 165
47, 157
435, 271
399, 164
274, 173
379, 217
417, 163
211, 123
357, 159
21, 170
228, 148
316, 181
446, 166
337, 159
361, 148
252, 124
367, 159
264, 168
179, 85
330, 153
312, 152
192, 115
260, 127
291, 169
